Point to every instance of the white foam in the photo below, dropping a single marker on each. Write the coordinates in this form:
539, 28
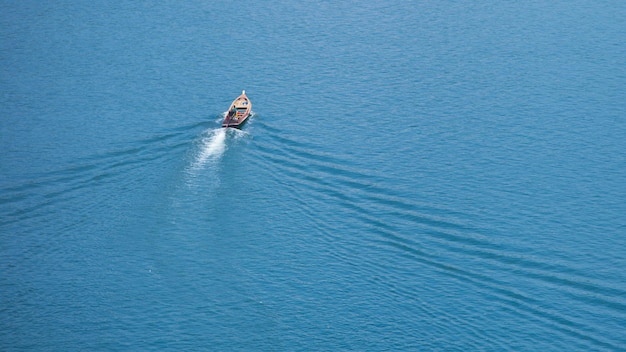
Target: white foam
212, 147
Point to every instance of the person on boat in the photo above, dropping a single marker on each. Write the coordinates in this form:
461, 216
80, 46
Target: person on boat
232, 111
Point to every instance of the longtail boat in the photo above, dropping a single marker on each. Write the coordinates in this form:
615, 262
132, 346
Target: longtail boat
238, 112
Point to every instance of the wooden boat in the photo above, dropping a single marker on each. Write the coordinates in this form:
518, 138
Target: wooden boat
238, 112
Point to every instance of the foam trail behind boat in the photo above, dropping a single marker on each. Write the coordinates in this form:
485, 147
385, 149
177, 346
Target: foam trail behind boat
212, 147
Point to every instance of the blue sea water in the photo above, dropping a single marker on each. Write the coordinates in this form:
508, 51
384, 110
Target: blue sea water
417, 175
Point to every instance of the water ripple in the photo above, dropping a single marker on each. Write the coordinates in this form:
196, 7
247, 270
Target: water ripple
435, 237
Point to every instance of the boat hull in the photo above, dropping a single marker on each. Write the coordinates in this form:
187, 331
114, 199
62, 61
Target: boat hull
238, 112
235, 123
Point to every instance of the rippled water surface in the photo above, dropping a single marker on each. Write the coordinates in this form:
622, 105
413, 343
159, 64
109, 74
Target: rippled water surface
417, 175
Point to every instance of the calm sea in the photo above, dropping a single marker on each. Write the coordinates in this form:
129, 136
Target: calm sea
417, 175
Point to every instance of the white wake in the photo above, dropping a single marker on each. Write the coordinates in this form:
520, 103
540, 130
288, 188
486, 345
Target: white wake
212, 147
